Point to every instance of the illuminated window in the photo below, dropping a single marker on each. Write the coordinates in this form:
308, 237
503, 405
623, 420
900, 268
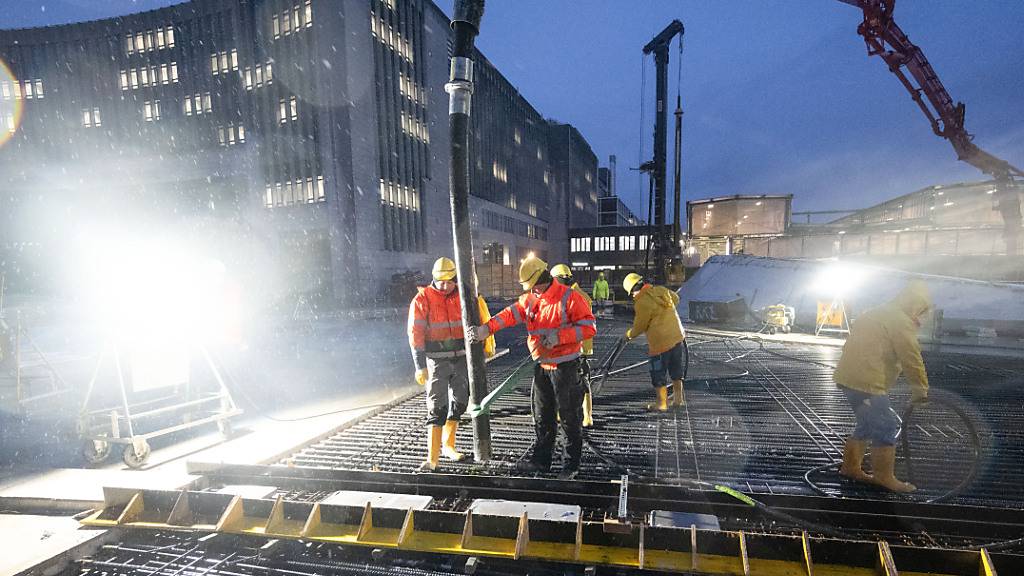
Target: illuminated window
224, 62
39, 88
258, 76
231, 134
517, 137
277, 27
197, 104
151, 110
300, 191
91, 118
5, 90
308, 10
9, 122
288, 109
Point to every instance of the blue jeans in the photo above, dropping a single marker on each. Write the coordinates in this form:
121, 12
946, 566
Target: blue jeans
670, 363
876, 420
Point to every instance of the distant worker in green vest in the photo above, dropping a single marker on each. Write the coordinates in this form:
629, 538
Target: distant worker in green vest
601, 292
563, 274
655, 315
882, 344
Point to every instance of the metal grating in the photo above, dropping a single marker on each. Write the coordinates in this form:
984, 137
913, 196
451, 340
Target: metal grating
758, 417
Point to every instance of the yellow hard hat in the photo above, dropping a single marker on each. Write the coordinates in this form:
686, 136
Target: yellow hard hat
630, 282
600, 274
561, 271
530, 271
444, 269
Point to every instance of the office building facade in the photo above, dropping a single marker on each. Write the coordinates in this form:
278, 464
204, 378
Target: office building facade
312, 134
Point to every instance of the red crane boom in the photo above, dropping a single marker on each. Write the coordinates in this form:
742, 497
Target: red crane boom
884, 38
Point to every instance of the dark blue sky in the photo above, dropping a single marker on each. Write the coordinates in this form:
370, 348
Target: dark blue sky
779, 97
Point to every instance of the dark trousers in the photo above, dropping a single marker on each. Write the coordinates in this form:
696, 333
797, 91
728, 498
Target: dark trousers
558, 392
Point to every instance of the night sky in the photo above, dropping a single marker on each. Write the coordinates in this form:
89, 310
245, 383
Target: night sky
779, 97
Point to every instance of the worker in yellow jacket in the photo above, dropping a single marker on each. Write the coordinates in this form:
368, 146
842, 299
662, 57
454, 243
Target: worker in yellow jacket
882, 344
655, 315
563, 274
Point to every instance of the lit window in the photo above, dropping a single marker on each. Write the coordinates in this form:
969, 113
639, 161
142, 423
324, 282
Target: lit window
207, 105
139, 43
165, 76
188, 106
5, 90
159, 38
144, 77
294, 108
39, 88
151, 110
10, 123
277, 27
129, 44
134, 78
214, 69
309, 13
234, 60
170, 37
296, 18
174, 71
320, 189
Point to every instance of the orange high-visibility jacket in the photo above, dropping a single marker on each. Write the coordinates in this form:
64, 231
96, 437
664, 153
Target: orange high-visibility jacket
559, 310
435, 326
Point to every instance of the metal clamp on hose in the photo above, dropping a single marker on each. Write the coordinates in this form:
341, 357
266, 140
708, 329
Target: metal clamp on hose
460, 86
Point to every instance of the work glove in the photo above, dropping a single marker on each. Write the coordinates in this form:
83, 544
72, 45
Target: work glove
550, 339
421, 376
629, 335
478, 333
918, 395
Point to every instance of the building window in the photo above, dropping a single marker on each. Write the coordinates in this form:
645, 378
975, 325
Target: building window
231, 134
517, 136
293, 20
258, 76
151, 110
224, 62
390, 38
147, 76
9, 123
149, 40
627, 243
287, 109
91, 118
197, 104
301, 191
18, 90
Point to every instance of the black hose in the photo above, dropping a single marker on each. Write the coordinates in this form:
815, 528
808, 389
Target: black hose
907, 452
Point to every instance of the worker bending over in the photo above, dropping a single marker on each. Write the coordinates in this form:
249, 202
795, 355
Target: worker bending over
439, 353
655, 315
563, 274
557, 320
882, 343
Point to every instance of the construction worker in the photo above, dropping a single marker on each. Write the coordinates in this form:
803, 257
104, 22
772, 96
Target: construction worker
601, 292
882, 344
563, 274
558, 320
655, 315
439, 354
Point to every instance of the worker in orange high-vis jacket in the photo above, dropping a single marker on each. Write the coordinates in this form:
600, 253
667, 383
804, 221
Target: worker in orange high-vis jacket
656, 316
558, 320
439, 353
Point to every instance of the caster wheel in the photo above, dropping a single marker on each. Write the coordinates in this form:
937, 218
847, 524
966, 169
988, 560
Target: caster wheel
225, 428
95, 451
136, 458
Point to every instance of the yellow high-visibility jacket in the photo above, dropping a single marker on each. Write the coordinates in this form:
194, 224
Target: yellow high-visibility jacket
883, 343
485, 315
656, 316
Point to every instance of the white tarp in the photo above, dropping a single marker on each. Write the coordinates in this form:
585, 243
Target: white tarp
799, 283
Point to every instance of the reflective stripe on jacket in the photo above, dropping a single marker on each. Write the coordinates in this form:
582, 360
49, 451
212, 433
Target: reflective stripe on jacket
435, 326
559, 310
655, 315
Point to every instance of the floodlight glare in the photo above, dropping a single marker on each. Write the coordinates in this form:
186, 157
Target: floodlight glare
837, 280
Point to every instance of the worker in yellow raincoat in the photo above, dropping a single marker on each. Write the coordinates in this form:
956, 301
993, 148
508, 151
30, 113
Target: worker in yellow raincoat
882, 345
655, 315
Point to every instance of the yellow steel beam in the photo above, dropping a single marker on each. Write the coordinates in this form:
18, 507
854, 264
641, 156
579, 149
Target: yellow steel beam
680, 550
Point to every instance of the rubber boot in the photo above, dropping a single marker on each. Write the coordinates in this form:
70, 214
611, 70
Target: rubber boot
433, 449
678, 395
883, 460
853, 461
448, 445
662, 403
588, 410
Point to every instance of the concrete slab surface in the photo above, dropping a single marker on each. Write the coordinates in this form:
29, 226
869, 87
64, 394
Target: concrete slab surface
43, 545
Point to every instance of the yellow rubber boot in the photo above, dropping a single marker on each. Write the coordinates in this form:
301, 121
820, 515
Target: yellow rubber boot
883, 461
588, 410
662, 403
448, 444
853, 461
433, 449
678, 395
